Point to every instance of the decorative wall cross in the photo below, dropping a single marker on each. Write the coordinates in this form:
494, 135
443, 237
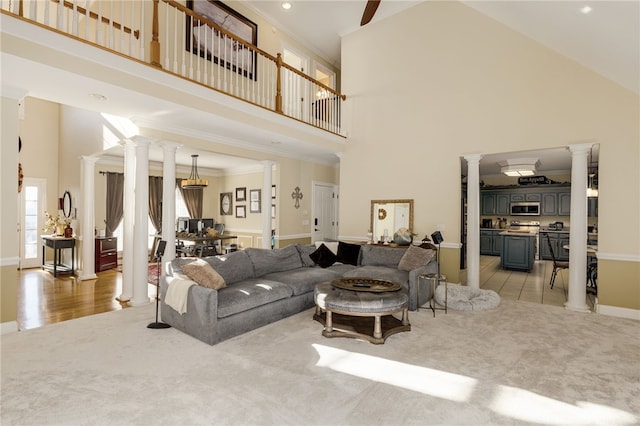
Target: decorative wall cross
297, 195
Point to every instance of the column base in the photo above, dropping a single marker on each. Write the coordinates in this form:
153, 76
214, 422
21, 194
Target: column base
87, 277
583, 308
140, 302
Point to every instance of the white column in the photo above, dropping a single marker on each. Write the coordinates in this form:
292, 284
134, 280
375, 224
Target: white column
129, 209
577, 297
266, 203
141, 225
473, 220
87, 235
169, 199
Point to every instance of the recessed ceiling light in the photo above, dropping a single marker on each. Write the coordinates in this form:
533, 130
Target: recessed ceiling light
286, 5
98, 96
586, 9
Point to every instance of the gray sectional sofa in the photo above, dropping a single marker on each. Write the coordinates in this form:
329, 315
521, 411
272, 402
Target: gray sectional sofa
264, 286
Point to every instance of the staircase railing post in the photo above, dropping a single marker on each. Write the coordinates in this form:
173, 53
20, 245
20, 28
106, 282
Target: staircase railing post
155, 42
278, 83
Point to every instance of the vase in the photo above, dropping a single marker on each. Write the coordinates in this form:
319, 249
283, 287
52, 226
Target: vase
68, 232
402, 240
59, 230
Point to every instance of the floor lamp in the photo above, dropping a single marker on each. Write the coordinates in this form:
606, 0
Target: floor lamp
159, 253
437, 239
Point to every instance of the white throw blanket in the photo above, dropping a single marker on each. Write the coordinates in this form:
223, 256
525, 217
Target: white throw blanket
177, 293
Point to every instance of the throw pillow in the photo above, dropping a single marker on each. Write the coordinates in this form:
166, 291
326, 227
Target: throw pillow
415, 257
348, 253
331, 245
323, 257
203, 274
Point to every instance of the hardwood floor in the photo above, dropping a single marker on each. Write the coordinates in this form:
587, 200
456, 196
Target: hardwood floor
43, 299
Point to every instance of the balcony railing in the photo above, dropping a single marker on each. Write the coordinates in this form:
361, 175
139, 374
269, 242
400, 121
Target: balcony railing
167, 35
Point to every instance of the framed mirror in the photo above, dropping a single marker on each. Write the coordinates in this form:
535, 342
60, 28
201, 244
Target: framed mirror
389, 216
66, 204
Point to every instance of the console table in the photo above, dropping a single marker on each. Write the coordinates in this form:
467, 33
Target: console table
58, 244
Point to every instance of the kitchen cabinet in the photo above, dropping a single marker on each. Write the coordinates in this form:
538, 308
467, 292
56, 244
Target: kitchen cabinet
525, 196
502, 204
488, 201
518, 251
558, 240
549, 204
490, 242
564, 203
495, 203
106, 253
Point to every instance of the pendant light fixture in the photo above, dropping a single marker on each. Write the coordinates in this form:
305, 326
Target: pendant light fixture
194, 181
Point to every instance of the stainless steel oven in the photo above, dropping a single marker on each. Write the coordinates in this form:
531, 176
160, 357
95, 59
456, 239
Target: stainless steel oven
525, 209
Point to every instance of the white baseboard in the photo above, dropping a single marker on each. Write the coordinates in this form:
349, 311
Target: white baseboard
615, 311
8, 327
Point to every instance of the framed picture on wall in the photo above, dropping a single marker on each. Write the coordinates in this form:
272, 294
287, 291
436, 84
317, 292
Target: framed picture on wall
226, 203
273, 191
254, 197
273, 211
216, 45
241, 194
241, 211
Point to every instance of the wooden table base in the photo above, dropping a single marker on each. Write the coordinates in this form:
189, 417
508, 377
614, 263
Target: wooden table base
360, 327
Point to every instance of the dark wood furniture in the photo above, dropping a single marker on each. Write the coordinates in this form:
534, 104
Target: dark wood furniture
58, 244
106, 253
202, 246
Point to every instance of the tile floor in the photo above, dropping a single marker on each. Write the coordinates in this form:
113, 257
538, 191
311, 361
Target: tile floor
530, 286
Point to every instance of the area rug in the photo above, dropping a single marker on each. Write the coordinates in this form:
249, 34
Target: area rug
518, 364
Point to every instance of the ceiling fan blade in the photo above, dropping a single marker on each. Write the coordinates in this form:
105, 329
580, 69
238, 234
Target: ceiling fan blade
369, 11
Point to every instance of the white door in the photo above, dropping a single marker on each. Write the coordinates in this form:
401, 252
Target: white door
32, 202
325, 212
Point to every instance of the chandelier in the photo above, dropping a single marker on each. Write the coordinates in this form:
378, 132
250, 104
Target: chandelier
194, 181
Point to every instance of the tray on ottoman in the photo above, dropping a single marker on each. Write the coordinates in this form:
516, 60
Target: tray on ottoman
365, 284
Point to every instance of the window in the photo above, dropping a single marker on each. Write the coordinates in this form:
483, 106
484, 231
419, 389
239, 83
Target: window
181, 211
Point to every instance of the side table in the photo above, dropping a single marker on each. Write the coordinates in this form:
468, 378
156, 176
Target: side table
435, 282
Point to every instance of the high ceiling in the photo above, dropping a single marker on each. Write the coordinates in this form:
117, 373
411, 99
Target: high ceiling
606, 40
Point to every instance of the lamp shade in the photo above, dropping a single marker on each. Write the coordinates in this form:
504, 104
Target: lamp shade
194, 181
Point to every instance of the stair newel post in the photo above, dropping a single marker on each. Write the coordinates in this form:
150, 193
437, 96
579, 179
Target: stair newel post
155, 42
278, 83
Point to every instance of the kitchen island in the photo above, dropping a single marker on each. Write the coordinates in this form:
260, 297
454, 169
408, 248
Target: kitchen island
518, 250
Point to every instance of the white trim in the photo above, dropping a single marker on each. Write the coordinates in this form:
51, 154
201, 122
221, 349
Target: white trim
618, 256
8, 327
616, 311
10, 261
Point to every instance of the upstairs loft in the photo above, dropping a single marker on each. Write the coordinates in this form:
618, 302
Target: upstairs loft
196, 72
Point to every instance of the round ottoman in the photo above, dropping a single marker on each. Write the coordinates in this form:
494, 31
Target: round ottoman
355, 314
463, 298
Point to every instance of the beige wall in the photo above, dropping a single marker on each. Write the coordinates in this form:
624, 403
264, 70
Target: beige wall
454, 82
8, 210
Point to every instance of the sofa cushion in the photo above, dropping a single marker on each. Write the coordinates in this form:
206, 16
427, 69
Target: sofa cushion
303, 280
233, 267
381, 256
267, 261
323, 257
203, 274
415, 257
248, 294
331, 245
305, 251
348, 253
380, 273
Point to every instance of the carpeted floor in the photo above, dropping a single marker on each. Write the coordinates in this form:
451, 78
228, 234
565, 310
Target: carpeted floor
521, 363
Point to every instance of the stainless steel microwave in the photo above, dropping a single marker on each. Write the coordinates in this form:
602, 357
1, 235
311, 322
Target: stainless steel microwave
525, 209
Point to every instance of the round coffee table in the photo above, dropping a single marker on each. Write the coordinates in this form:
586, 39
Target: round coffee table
357, 313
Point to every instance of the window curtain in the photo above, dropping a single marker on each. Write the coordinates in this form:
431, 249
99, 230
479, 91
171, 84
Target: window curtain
115, 201
155, 201
192, 198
